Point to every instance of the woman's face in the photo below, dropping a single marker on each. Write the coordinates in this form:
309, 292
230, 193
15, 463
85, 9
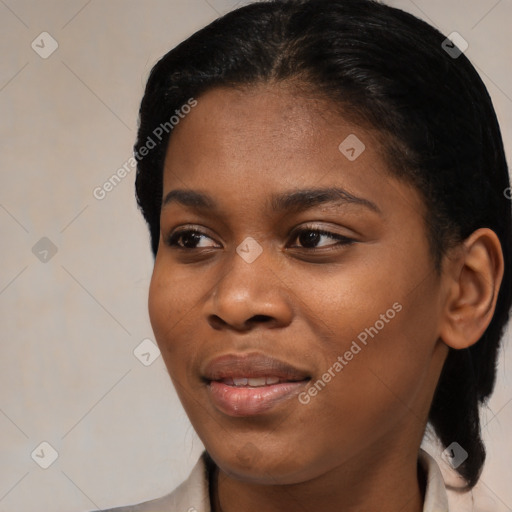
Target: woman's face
300, 322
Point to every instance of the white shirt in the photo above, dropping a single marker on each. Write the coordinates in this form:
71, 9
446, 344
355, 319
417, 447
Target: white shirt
193, 494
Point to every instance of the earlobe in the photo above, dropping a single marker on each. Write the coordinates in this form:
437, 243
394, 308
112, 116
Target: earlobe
474, 278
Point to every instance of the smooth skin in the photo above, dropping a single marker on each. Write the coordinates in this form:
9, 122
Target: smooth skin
354, 446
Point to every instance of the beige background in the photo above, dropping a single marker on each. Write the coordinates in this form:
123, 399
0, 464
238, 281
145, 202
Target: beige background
68, 374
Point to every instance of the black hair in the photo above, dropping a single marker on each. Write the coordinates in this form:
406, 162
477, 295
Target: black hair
391, 71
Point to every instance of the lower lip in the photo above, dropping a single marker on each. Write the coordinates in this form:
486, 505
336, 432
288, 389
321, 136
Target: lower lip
247, 401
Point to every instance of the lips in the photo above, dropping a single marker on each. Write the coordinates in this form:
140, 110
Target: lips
250, 384
237, 366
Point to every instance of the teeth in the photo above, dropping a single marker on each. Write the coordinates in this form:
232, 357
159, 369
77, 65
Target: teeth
259, 381
254, 382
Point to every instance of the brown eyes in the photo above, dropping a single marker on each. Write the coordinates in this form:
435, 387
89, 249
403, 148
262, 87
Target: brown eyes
308, 238
186, 239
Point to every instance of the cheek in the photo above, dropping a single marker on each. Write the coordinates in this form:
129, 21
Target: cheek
172, 302
171, 305
162, 303
341, 305
381, 318
386, 356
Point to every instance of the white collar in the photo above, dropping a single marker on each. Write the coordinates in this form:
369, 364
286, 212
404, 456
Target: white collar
436, 499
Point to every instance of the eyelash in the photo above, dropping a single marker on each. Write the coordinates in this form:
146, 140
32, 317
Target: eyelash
173, 238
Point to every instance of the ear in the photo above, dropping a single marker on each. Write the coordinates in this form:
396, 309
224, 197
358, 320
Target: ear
472, 279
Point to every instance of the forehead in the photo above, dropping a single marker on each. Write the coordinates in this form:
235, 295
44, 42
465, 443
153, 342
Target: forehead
262, 119
263, 139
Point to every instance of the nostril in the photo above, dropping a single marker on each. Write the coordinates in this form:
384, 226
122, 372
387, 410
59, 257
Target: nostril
260, 318
216, 322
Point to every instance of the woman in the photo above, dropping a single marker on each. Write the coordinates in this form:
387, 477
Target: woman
325, 187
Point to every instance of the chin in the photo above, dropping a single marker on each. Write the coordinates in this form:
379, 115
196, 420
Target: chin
253, 464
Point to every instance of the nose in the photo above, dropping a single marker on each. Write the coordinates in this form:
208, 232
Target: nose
248, 295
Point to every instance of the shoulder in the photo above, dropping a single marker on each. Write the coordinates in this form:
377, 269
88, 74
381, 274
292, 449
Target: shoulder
191, 496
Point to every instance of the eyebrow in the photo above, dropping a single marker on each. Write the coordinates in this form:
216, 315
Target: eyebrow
293, 201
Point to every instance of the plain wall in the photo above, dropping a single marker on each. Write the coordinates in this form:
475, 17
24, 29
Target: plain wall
70, 324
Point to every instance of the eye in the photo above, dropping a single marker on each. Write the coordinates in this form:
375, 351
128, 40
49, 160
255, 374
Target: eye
311, 237
188, 239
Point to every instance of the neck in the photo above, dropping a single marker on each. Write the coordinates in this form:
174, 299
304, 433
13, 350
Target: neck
387, 484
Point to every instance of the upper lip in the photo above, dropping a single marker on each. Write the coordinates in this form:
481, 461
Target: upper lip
251, 365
